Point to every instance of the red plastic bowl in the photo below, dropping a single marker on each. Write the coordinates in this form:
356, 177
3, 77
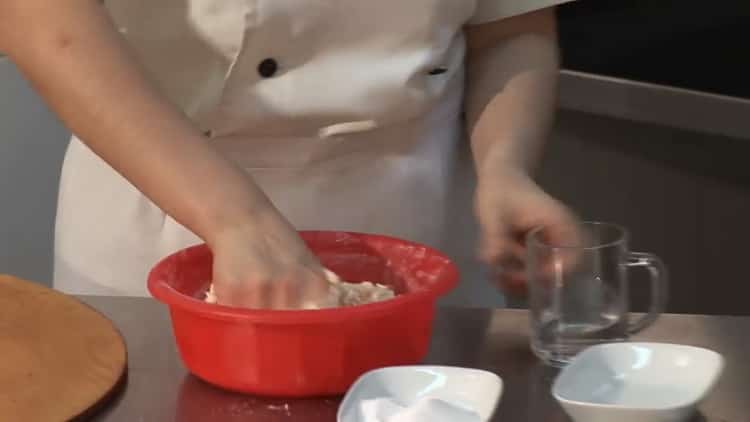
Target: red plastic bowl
309, 352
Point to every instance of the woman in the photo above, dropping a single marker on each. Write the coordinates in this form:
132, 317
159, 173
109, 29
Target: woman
235, 121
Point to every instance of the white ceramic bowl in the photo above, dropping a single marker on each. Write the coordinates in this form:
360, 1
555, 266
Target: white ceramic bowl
469, 388
643, 382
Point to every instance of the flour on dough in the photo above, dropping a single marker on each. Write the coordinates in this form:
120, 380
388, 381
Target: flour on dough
340, 293
210, 295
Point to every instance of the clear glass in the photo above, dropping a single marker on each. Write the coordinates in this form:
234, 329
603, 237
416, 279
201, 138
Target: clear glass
578, 294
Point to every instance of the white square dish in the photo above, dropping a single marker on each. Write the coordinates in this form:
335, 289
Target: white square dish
644, 382
468, 388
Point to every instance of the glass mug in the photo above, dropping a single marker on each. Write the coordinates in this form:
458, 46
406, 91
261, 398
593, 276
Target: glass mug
578, 294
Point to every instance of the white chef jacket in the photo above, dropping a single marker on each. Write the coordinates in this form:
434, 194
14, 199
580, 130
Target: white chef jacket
346, 113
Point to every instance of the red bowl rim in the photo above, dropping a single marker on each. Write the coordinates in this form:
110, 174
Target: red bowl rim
176, 300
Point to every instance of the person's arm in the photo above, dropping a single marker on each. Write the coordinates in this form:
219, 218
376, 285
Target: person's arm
511, 100
76, 59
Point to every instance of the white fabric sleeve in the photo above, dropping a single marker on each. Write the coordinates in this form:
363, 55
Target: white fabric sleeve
493, 10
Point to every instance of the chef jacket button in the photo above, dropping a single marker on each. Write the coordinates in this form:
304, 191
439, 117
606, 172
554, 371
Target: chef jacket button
437, 71
268, 68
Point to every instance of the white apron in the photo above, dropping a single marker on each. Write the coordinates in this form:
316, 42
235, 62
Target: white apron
346, 112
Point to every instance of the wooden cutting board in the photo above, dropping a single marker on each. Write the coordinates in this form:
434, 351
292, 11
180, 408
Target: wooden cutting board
59, 359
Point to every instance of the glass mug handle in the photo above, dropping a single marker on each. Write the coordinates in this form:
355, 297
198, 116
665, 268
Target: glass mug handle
658, 279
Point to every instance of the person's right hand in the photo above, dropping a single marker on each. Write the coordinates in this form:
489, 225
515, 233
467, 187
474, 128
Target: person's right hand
264, 264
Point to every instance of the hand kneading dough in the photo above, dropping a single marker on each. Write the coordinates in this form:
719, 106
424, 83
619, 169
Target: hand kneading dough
340, 293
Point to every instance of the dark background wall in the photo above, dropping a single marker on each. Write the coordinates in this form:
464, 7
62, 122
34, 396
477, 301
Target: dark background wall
685, 195
701, 45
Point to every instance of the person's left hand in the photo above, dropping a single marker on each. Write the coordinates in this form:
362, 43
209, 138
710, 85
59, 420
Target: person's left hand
508, 205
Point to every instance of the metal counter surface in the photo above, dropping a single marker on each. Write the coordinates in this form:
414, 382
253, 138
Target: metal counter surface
160, 389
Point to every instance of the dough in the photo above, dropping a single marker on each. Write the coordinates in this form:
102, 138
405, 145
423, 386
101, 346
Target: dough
210, 295
340, 293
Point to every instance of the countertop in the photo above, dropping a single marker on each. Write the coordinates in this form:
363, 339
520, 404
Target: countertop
159, 388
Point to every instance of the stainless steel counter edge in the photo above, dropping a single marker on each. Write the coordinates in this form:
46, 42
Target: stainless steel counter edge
658, 104
160, 389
